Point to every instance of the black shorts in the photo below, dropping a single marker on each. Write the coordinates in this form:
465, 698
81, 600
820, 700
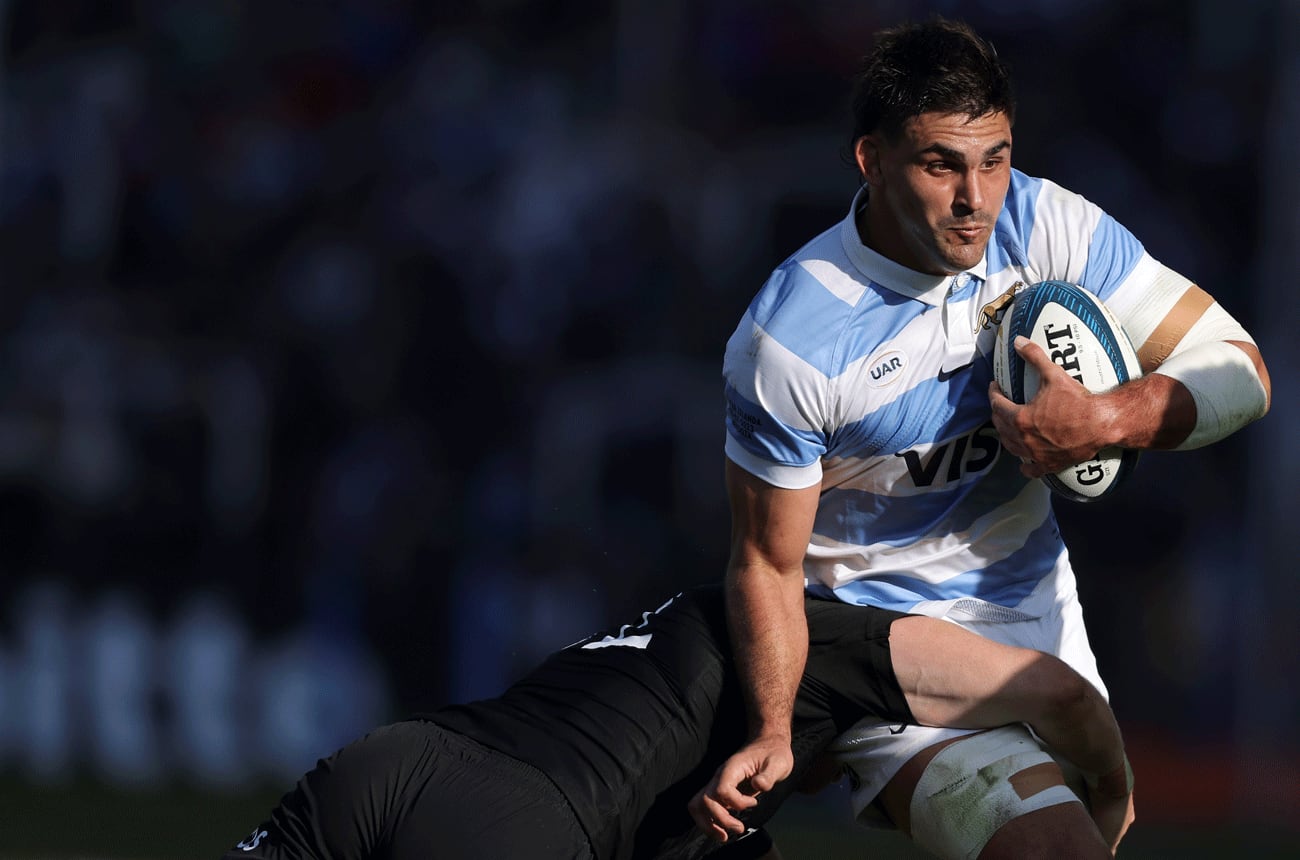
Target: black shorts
850, 672
412, 790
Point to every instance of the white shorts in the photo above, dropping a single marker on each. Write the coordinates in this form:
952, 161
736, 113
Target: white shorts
1050, 619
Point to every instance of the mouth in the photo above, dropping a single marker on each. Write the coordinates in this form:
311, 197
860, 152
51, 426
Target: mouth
968, 232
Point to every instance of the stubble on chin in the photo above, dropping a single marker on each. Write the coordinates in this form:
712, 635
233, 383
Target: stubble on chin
958, 257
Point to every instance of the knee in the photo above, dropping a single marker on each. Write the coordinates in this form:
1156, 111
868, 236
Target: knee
1052, 691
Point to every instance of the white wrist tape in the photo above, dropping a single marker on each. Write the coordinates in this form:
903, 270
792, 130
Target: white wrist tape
1225, 386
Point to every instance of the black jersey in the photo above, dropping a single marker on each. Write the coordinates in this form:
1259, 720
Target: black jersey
616, 718
631, 723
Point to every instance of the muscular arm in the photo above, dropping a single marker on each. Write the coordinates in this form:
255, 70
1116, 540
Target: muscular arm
1065, 424
769, 635
1193, 345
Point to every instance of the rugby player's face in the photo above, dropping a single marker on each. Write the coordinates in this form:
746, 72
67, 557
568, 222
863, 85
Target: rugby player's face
937, 190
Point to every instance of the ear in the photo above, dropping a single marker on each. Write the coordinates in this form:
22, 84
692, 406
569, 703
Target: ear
866, 152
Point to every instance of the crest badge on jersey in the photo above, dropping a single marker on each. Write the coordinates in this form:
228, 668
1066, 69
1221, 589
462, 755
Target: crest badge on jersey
991, 314
886, 367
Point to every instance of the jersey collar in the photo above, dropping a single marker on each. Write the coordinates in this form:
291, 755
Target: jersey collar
931, 289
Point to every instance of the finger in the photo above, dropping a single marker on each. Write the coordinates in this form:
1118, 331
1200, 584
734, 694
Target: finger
706, 825
698, 807
1003, 408
733, 797
718, 818
711, 829
727, 786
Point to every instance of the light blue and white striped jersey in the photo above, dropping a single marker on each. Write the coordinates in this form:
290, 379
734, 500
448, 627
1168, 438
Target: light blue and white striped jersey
872, 379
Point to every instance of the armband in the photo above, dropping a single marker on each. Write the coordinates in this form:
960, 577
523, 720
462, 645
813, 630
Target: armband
1224, 385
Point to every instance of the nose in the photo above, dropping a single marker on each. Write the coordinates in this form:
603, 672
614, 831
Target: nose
970, 193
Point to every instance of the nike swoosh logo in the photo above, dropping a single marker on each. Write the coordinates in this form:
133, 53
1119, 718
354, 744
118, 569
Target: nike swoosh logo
945, 375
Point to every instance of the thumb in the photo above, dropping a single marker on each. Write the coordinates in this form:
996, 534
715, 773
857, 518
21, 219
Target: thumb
771, 770
1031, 352
763, 780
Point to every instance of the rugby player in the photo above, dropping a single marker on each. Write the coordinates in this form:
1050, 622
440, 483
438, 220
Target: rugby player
871, 458
597, 752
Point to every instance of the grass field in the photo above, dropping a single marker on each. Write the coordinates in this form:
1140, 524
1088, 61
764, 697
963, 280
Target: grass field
86, 821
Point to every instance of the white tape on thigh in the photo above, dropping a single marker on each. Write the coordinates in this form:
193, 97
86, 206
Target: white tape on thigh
965, 793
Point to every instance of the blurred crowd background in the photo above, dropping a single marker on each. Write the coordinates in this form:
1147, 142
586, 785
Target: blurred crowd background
353, 355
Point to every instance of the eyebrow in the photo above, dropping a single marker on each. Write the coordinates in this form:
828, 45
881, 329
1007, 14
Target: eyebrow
954, 155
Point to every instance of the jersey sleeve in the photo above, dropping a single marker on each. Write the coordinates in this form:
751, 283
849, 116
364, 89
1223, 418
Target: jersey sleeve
777, 390
1161, 310
1073, 239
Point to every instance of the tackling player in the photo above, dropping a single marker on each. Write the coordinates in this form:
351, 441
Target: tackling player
596, 752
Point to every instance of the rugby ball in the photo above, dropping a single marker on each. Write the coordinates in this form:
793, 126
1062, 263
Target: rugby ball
1082, 336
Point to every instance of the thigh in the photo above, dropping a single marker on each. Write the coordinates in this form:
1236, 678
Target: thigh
480, 803
341, 808
874, 752
414, 791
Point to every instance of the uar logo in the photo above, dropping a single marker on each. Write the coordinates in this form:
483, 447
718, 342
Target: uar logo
886, 368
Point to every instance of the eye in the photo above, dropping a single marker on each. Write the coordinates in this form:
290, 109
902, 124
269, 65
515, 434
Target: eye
938, 167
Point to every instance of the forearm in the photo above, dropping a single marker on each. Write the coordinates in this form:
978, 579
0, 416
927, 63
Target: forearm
769, 635
1197, 397
1153, 412
771, 527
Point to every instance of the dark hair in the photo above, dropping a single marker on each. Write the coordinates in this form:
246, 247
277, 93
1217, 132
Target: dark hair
939, 65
